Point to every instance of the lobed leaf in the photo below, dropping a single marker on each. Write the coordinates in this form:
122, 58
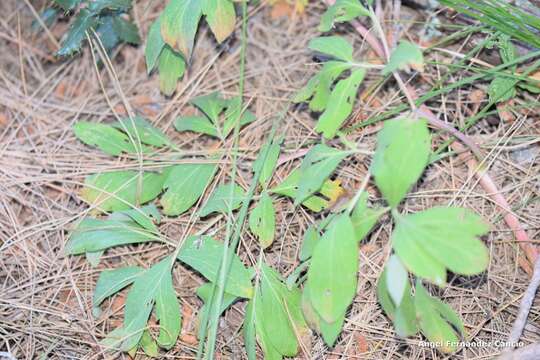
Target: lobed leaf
341, 11
334, 46
441, 238
84, 21
318, 88
406, 54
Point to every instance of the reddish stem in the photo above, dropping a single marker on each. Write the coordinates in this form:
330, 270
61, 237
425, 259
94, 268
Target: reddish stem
484, 179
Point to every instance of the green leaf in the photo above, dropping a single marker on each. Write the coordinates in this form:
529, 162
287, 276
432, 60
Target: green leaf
168, 313
97, 6
205, 293
430, 241
340, 104
318, 88
364, 217
289, 186
198, 124
224, 198
311, 239
406, 54
97, 234
275, 313
334, 46
154, 45
403, 147
341, 11
396, 279
204, 254
267, 166
248, 330
94, 257
262, 221
211, 105
148, 345
112, 281
502, 89
332, 276
139, 304
179, 23
234, 112
119, 190
220, 16
432, 325
106, 33
84, 21
108, 139
126, 30
48, 16
68, 4
184, 184
171, 67
331, 331
318, 164
404, 315
140, 129
145, 217
270, 352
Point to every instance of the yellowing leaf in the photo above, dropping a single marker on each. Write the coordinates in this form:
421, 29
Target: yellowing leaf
319, 163
220, 16
171, 67
179, 23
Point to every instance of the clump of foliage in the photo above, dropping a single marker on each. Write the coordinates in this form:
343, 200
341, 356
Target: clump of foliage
280, 312
104, 18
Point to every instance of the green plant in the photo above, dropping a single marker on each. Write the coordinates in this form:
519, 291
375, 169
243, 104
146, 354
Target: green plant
279, 311
103, 18
172, 35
